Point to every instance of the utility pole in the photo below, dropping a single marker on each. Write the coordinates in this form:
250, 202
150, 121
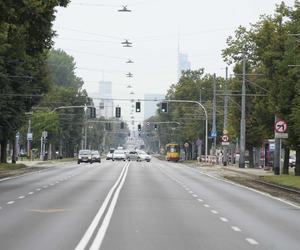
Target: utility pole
225, 158
243, 118
214, 130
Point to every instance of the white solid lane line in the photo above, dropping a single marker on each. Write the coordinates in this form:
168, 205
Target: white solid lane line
88, 234
102, 230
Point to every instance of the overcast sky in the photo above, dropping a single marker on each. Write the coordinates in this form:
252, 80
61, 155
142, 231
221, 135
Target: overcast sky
92, 31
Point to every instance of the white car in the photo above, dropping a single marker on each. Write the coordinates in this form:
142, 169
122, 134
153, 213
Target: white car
143, 156
119, 155
110, 154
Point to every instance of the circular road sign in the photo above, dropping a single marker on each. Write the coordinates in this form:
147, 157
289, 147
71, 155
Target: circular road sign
186, 144
281, 126
225, 138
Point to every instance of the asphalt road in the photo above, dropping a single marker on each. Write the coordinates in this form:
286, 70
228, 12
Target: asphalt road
140, 205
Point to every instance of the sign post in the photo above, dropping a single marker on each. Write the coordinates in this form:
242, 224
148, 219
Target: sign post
280, 129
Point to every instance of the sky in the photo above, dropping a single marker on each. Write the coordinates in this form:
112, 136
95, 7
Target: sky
92, 31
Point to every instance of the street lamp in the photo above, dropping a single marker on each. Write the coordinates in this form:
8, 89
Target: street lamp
124, 9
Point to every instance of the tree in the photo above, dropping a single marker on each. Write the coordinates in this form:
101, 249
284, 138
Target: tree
25, 37
62, 70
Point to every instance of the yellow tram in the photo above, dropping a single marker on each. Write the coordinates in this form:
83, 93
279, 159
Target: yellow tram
173, 152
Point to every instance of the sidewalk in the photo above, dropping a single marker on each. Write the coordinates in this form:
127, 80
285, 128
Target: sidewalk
230, 170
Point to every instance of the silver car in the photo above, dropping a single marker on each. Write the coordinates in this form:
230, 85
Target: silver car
132, 156
119, 155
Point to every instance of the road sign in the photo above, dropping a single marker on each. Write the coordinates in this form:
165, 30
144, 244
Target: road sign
281, 126
281, 135
29, 136
225, 143
213, 134
225, 138
186, 144
148, 123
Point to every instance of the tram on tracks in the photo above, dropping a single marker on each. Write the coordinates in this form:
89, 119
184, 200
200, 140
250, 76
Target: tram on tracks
173, 152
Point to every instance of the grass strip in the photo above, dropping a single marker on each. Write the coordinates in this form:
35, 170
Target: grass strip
285, 180
10, 166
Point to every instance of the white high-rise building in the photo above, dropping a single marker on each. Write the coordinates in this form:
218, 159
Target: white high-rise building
183, 63
106, 105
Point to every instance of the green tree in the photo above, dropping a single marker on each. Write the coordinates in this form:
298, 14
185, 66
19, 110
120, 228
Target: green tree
25, 37
62, 69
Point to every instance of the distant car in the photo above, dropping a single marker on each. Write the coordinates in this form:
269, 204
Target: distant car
119, 155
132, 156
96, 156
85, 156
110, 154
143, 156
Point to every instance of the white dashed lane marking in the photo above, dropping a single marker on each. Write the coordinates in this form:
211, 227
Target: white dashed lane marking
10, 202
252, 241
31, 193
223, 219
236, 229
21, 197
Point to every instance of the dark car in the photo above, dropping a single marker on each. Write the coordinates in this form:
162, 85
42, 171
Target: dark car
85, 156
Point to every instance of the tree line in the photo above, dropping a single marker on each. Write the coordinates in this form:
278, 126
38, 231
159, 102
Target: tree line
271, 47
36, 79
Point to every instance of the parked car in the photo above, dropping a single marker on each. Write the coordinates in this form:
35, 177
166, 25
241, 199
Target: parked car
96, 156
85, 156
119, 155
143, 156
132, 156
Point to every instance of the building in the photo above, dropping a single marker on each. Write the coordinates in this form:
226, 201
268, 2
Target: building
150, 107
103, 100
183, 63
106, 105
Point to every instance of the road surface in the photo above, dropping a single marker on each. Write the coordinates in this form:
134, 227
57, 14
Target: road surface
142, 206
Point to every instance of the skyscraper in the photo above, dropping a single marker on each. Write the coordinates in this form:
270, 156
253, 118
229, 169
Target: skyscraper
183, 63
106, 106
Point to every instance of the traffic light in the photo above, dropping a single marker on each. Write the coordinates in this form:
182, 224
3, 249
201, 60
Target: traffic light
92, 112
118, 112
164, 107
138, 107
122, 125
155, 126
139, 127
